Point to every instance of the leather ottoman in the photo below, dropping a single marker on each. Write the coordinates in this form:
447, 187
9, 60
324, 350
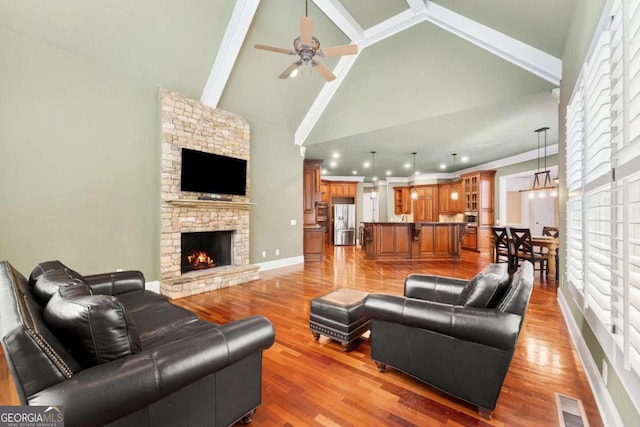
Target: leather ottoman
340, 316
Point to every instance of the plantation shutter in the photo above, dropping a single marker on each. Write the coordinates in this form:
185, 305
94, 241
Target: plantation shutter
597, 181
575, 149
625, 113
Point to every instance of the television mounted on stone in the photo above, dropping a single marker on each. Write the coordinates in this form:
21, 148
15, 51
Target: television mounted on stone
213, 173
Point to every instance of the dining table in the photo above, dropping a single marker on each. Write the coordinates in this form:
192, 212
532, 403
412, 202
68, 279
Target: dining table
551, 244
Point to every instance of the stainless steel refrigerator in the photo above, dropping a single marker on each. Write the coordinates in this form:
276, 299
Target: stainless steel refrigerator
344, 224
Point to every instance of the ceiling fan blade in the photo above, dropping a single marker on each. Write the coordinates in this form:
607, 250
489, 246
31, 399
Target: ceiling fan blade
323, 71
274, 49
348, 49
286, 73
306, 29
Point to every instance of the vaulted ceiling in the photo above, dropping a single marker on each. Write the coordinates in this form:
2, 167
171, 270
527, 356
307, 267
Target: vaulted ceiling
470, 77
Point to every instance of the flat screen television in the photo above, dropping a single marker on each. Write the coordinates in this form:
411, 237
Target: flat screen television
212, 173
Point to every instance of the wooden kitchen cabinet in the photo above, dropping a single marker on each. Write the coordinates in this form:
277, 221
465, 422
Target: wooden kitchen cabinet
342, 189
311, 190
425, 207
470, 239
478, 190
401, 200
455, 206
325, 190
447, 205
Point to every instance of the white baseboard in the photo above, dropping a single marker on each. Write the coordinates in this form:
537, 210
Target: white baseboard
285, 262
608, 410
153, 286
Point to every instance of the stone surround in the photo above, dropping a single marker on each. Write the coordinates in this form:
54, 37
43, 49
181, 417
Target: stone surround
190, 124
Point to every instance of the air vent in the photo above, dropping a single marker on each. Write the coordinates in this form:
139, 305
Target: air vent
570, 412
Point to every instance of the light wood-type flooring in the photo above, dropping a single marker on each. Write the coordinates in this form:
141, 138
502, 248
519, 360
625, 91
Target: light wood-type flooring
309, 383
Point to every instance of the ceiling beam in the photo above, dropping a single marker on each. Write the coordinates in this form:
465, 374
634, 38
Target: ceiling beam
234, 36
531, 59
342, 18
373, 35
520, 54
417, 6
390, 27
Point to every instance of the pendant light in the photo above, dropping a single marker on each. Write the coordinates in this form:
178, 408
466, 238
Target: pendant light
547, 185
454, 194
414, 191
374, 193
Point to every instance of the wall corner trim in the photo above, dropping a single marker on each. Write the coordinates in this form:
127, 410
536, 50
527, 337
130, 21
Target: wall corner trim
153, 286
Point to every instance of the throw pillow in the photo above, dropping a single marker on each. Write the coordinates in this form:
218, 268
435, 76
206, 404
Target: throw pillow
50, 266
50, 282
486, 288
95, 328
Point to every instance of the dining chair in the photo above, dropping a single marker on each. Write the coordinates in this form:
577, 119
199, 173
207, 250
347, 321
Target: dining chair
523, 250
550, 231
553, 232
502, 247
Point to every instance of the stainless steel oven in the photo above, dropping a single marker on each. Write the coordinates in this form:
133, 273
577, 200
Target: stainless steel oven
471, 218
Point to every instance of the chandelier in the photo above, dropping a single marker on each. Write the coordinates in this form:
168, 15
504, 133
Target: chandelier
543, 186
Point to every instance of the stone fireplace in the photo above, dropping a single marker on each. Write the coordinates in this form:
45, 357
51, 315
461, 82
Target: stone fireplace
187, 123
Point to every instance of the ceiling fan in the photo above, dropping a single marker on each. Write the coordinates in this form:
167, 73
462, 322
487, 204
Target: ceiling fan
307, 47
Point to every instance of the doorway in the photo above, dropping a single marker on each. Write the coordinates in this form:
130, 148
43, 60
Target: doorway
526, 209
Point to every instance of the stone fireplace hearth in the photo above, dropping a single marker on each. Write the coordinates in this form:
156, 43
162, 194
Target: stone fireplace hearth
187, 123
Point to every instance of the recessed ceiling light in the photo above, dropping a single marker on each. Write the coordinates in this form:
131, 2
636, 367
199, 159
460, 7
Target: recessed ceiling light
333, 164
417, 173
336, 155
388, 173
294, 73
354, 172
366, 164
407, 165
443, 166
464, 159
324, 171
375, 178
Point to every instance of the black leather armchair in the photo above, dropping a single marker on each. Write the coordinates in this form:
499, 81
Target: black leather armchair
178, 370
454, 335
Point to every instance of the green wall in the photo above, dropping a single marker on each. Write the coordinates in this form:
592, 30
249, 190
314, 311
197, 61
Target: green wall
80, 151
584, 23
276, 190
80, 156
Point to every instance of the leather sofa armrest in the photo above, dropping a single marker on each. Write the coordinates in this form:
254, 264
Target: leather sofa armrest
106, 392
116, 283
480, 325
433, 288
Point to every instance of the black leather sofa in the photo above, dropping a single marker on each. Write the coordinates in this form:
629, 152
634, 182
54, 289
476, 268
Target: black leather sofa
455, 335
111, 353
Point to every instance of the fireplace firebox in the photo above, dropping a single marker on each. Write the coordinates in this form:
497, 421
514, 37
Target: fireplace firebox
205, 249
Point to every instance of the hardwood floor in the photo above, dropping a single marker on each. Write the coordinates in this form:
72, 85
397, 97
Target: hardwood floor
315, 383
309, 383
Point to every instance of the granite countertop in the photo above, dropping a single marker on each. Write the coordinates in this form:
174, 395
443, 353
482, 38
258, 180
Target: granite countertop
409, 223
313, 227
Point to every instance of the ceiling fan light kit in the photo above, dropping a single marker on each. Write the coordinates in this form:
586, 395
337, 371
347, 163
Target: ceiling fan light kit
307, 47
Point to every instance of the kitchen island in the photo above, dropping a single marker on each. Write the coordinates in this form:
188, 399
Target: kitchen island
392, 241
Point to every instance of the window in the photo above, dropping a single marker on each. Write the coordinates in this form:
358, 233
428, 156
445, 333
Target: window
603, 182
